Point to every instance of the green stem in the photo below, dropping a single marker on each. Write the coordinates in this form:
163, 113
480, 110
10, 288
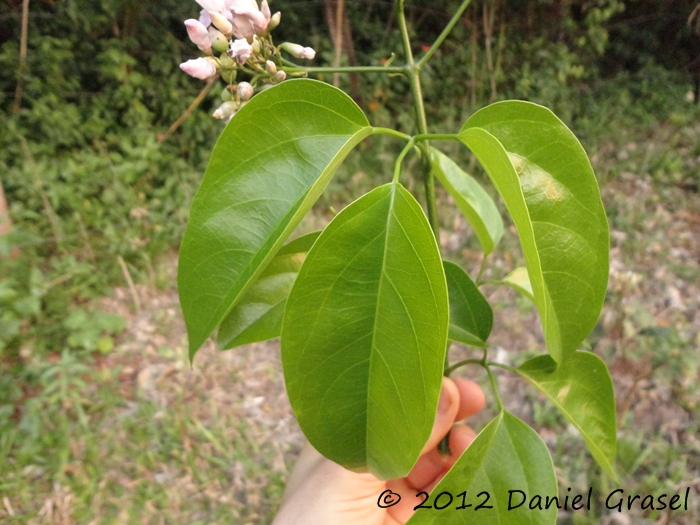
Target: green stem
494, 387
481, 271
412, 73
504, 367
399, 159
440, 39
460, 364
292, 67
437, 136
392, 132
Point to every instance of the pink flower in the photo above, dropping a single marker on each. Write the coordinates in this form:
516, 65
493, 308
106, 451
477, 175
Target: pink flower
204, 18
199, 68
240, 50
299, 51
245, 90
198, 34
221, 23
212, 5
265, 10
246, 18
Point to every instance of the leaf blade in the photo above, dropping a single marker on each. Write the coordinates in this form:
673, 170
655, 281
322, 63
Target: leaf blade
258, 314
268, 167
581, 388
548, 186
364, 332
471, 199
519, 281
506, 455
471, 316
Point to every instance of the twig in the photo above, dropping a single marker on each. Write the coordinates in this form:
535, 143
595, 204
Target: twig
489, 12
22, 56
162, 137
130, 282
339, 8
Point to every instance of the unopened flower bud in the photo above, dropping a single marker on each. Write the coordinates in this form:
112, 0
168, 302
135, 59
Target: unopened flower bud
274, 21
299, 51
240, 50
279, 77
199, 68
226, 95
221, 23
245, 90
226, 61
265, 10
198, 34
225, 110
270, 67
218, 41
256, 45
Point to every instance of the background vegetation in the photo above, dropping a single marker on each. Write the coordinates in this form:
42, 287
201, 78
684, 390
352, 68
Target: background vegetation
98, 196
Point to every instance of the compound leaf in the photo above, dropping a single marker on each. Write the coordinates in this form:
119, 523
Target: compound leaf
267, 169
364, 335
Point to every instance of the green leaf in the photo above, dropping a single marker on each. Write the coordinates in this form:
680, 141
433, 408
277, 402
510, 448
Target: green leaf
364, 335
269, 166
471, 316
519, 281
471, 199
506, 456
582, 390
548, 186
258, 315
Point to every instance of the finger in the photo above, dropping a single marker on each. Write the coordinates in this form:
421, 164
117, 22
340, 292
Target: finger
403, 510
471, 398
428, 467
461, 436
445, 417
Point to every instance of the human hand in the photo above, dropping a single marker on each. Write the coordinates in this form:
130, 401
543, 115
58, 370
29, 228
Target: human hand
320, 492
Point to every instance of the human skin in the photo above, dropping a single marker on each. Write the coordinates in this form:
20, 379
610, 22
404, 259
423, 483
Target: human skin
321, 492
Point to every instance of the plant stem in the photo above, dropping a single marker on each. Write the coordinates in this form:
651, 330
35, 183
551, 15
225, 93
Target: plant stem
481, 270
460, 364
437, 136
412, 73
399, 159
494, 387
293, 68
504, 367
392, 132
440, 39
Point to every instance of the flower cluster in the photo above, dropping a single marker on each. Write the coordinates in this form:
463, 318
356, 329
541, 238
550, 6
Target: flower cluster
238, 31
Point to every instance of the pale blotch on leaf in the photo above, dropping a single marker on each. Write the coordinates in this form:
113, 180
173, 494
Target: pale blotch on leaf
536, 182
561, 395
